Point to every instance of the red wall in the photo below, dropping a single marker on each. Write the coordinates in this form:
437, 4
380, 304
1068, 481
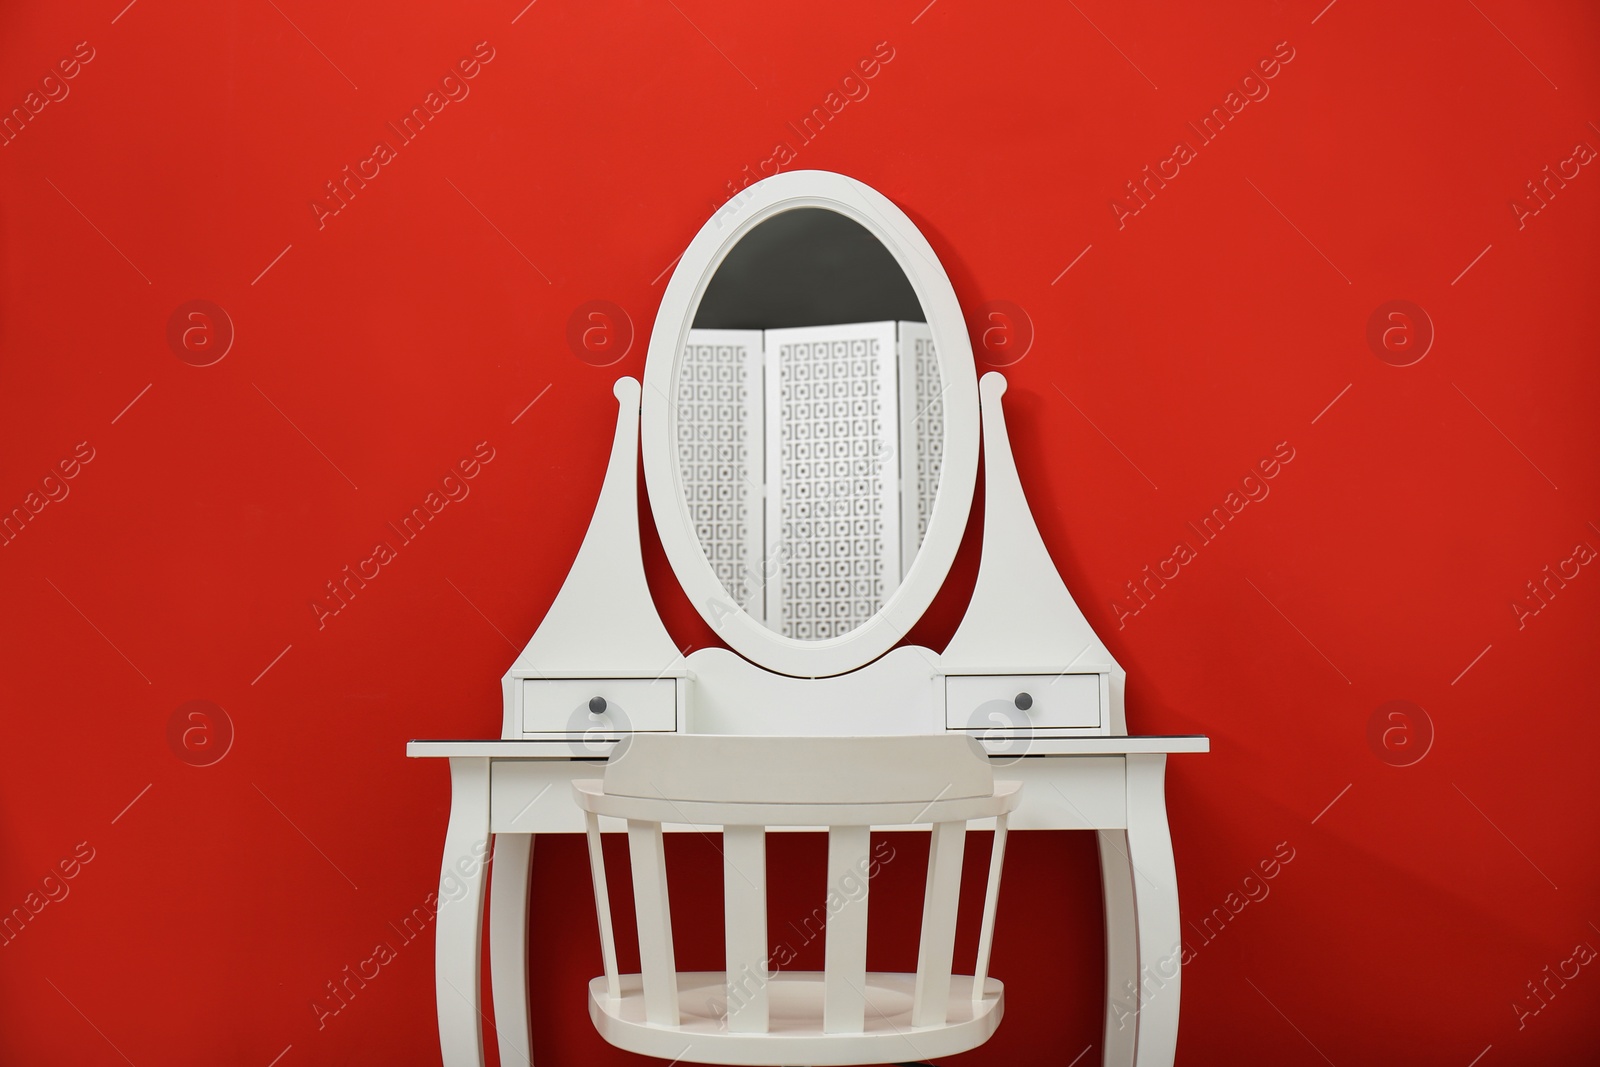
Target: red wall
1173, 347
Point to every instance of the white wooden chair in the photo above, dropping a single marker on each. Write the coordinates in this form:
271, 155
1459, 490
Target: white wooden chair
750, 1013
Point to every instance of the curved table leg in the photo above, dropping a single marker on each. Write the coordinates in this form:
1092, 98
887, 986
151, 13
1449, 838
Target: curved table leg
1155, 897
1122, 949
508, 947
458, 930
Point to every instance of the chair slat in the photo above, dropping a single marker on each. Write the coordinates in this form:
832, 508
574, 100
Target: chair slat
844, 999
648, 856
991, 901
744, 894
602, 904
930, 1000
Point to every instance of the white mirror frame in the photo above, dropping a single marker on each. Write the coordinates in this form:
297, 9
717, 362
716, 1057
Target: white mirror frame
953, 502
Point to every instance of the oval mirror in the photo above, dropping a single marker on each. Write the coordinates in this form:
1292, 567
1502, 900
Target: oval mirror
810, 423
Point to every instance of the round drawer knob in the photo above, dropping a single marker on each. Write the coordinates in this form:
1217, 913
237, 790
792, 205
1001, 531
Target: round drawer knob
1023, 701
597, 705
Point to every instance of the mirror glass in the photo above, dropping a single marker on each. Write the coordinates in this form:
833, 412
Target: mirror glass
809, 424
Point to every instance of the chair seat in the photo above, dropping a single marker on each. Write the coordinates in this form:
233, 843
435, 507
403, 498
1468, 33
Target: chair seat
794, 1008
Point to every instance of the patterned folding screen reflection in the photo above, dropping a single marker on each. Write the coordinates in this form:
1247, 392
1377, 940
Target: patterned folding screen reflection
832, 483
839, 429
921, 434
720, 448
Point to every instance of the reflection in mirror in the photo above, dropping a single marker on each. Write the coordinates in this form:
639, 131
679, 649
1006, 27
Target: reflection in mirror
810, 424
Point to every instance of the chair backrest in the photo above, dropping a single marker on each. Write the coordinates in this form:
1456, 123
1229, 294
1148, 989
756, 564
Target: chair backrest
846, 784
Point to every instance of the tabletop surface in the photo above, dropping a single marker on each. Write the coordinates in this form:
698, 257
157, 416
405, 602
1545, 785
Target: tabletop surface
569, 750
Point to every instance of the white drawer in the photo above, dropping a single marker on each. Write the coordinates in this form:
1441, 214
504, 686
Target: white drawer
1001, 702
610, 705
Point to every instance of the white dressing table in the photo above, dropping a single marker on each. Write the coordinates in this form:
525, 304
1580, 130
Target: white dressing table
1024, 672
